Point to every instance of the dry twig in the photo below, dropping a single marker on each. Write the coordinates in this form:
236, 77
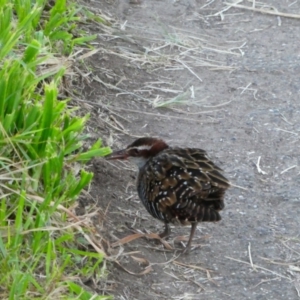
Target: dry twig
273, 12
259, 267
259, 170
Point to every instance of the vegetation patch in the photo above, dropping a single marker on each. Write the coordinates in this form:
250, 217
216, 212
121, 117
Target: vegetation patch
44, 246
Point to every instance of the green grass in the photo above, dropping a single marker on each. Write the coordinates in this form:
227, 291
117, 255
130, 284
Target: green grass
41, 152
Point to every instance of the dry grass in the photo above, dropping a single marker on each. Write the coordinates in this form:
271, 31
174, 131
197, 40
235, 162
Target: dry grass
176, 50
261, 7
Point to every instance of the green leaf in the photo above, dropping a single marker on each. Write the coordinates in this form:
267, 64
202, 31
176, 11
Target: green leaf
85, 178
50, 97
84, 39
32, 51
86, 156
61, 35
83, 294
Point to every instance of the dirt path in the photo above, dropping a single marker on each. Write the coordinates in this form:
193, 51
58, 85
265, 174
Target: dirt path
238, 72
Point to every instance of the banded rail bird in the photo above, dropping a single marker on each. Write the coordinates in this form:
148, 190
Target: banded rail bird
176, 185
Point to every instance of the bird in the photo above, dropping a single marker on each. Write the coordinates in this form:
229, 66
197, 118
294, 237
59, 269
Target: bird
181, 186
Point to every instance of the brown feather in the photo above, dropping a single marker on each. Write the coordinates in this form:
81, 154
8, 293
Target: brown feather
176, 185
183, 185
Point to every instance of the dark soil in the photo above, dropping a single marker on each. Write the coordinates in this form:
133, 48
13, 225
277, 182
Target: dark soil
246, 107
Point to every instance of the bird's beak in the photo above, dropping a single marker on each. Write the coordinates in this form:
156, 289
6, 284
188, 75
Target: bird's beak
119, 154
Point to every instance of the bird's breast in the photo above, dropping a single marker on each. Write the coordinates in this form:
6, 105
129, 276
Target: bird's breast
144, 191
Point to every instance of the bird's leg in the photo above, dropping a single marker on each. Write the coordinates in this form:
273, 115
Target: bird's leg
166, 232
188, 246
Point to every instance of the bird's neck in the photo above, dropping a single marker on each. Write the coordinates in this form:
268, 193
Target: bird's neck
139, 161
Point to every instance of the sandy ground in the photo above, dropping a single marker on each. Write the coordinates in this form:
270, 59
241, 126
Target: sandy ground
229, 81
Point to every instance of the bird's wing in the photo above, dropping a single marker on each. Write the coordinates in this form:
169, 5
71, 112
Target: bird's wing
179, 175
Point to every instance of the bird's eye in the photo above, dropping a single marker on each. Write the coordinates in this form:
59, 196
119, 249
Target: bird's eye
135, 151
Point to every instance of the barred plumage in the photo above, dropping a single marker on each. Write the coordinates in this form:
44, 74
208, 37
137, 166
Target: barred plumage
176, 185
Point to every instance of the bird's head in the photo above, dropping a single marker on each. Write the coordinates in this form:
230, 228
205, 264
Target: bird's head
140, 151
